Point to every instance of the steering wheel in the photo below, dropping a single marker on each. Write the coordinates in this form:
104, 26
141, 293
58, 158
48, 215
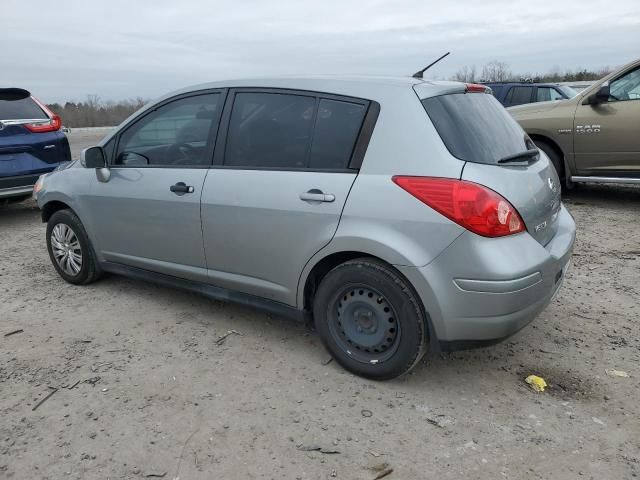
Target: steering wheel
182, 154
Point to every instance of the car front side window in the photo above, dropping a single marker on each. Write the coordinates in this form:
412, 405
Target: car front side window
626, 87
175, 134
545, 94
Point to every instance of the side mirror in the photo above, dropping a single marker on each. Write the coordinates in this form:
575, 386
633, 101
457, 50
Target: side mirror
93, 157
601, 96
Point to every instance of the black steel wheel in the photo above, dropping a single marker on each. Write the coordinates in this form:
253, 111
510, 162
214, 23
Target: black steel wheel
363, 322
370, 319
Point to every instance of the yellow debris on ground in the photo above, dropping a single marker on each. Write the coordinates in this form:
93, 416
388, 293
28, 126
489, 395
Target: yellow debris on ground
536, 382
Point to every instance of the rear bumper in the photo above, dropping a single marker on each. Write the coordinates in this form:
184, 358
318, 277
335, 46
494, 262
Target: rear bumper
482, 290
17, 185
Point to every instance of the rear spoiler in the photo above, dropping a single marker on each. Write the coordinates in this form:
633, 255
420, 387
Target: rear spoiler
13, 94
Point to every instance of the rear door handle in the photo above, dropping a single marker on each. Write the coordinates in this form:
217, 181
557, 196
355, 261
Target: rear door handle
315, 195
181, 188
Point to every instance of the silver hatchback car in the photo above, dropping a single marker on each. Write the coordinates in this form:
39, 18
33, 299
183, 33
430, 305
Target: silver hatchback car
400, 215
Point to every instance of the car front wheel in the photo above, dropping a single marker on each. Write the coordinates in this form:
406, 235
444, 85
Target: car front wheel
70, 250
370, 319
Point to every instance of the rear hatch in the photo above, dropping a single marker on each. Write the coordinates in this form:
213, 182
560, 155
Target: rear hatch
477, 129
30, 141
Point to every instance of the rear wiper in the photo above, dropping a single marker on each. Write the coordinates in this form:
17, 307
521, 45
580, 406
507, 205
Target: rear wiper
517, 157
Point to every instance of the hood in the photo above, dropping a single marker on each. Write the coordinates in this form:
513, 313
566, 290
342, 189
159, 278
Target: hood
536, 107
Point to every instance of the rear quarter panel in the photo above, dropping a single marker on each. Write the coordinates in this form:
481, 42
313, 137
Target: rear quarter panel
380, 218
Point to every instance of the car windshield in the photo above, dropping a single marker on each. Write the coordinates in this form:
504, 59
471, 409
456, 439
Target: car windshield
475, 127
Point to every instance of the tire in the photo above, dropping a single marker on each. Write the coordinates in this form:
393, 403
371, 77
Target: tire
556, 159
64, 231
370, 319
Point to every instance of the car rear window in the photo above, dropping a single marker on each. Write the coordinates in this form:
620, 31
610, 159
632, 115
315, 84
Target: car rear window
22, 109
475, 127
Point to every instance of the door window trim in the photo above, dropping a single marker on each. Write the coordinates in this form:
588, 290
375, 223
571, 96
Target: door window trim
211, 138
357, 154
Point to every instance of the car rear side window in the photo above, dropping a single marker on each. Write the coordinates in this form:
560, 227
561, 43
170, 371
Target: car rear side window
292, 131
269, 130
22, 109
496, 90
475, 127
518, 96
335, 134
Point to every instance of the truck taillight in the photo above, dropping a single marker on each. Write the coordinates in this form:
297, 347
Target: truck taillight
472, 206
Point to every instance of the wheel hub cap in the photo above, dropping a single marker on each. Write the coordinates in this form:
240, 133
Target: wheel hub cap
365, 324
66, 249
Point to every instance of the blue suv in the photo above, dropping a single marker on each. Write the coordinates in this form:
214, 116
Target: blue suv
31, 143
510, 94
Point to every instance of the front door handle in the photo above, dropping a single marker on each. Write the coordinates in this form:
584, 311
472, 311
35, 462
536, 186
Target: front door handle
181, 188
315, 195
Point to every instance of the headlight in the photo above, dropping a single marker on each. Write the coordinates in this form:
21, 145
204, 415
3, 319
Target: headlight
38, 186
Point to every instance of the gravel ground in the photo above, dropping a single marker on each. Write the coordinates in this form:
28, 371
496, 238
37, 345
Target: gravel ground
145, 389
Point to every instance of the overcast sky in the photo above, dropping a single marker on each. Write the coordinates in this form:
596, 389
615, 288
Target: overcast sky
67, 49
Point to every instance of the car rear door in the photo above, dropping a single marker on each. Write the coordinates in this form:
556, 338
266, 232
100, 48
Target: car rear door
147, 214
284, 166
606, 139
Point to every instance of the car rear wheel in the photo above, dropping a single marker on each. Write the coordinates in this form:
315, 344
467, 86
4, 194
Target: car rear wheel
556, 159
70, 250
370, 319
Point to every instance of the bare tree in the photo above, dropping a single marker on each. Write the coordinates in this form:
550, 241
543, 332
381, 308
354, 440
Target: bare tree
465, 74
96, 113
496, 71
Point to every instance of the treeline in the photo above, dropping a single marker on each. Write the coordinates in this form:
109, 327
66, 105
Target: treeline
95, 113
501, 72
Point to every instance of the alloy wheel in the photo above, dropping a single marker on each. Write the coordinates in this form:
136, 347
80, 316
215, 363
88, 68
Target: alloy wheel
66, 249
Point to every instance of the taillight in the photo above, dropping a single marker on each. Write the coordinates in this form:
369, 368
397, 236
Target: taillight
476, 88
473, 206
51, 125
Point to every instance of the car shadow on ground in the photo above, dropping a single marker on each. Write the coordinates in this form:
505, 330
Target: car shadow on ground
624, 196
197, 311
11, 213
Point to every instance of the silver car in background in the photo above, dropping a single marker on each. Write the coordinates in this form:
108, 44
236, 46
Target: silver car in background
400, 215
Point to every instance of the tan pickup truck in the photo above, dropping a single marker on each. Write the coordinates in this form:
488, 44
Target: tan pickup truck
595, 136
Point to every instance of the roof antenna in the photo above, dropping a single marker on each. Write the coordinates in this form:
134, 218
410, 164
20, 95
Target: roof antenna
420, 73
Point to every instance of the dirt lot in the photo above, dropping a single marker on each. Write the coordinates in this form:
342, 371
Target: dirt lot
159, 396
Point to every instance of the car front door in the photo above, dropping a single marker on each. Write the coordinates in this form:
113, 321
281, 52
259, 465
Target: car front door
283, 173
606, 139
147, 214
